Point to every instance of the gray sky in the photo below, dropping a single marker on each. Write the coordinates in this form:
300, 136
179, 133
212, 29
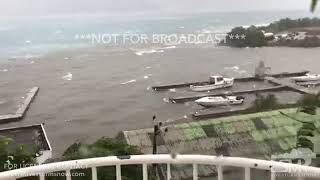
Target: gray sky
127, 7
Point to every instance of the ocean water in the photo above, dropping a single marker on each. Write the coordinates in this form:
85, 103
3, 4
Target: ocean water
34, 36
87, 92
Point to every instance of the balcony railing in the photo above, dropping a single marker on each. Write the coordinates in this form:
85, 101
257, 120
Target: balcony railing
220, 162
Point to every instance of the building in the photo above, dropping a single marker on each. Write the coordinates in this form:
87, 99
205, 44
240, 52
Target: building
258, 135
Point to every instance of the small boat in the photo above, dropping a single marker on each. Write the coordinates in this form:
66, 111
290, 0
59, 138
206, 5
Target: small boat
215, 82
220, 101
307, 77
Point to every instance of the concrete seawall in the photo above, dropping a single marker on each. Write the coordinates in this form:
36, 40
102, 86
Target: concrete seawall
23, 107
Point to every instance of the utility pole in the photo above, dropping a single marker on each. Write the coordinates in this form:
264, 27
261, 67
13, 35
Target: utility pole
156, 132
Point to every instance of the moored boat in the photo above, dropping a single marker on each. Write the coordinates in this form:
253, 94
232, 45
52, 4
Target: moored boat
215, 82
307, 77
220, 101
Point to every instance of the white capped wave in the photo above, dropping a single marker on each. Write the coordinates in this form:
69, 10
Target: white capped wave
147, 76
5, 70
130, 81
28, 41
236, 69
67, 77
233, 68
27, 56
170, 47
173, 90
154, 50
142, 52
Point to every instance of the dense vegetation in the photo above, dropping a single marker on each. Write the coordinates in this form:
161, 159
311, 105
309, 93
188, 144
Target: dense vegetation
309, 104
246, 37
287, 23
14, 156
254, 37
101, 148
265, 103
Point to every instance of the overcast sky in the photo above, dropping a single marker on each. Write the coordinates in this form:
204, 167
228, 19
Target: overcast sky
127, 7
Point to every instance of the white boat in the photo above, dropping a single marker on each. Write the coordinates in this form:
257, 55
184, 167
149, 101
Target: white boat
307, 77
215, 82
220, 101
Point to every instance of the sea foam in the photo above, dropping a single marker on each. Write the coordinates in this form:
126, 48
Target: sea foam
130, 81
67, 77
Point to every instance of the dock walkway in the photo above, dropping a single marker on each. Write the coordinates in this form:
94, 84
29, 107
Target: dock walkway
183, 99
291, 85
187, 84
23, 107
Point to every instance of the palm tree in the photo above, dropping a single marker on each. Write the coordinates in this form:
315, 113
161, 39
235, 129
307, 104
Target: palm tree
313, 5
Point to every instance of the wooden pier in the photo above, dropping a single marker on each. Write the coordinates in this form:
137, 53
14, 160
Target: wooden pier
23, 107
309, 84
288, 74
183, 99
187, 84
291, 85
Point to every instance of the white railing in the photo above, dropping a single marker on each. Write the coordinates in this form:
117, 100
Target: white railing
144, 160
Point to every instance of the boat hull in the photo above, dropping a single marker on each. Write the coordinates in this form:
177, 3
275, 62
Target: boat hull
307, 78
206, 102
208, 87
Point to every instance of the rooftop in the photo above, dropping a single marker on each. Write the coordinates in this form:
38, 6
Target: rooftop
257, 135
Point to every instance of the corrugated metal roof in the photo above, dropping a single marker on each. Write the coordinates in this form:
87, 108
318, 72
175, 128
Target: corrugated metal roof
257, 135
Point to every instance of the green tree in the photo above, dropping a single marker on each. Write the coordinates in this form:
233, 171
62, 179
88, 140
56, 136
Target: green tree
242, 37
306, 131
13, 155
101, 148
264, 103
309, 103
313, 5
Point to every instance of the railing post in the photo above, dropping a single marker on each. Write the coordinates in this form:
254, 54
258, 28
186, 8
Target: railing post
145, 171
42, 176
220, 172
94, 173
195, 171
273, 175
118, 172
168, 171
68, 174
247, 173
